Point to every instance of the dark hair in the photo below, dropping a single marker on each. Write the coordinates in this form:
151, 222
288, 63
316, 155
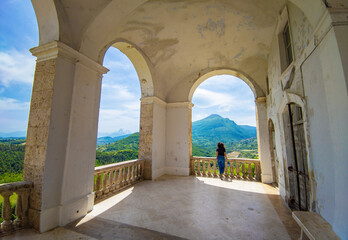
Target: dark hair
220, 145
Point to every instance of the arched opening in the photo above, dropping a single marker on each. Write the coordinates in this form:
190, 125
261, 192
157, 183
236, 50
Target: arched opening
250, 169
140, 140
16, 82
296, 172
224, 111
119, 112
273, 151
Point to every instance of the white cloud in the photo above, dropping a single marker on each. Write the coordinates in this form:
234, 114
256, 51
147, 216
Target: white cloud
116, 92
111, 120
16, 66
120, 65
10, 104
13, 115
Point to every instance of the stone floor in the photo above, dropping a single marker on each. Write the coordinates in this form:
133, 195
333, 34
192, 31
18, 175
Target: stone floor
183, 208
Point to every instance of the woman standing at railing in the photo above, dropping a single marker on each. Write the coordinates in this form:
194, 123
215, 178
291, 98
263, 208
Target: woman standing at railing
221, 156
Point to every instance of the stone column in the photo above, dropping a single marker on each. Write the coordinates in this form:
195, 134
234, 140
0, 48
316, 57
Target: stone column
178, 138
263, 140
61, 138
152, 142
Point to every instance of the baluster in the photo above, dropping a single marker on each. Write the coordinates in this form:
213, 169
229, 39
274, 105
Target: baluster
204, 168
117, 178
250, 176
105, 182
128, 175
135, 172
110, 177
199, 167
114, 177
237, 169
133, 175
226, 169
209, 168
142, 169
25, 207
121, 176
257, 171
231, 169
125, 170
243, 170
139, 170
214, 168
98, 182
19, 210
195, 167
6, 225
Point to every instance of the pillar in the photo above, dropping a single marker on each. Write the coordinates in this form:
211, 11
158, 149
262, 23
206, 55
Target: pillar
152, 141
178, 138
263, 140
62, 133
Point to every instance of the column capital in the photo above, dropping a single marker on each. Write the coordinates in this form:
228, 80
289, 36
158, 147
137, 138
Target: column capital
153, 99
55, 49
260, 100
180, 105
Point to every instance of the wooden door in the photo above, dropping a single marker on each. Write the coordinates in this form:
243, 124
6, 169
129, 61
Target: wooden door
298, 169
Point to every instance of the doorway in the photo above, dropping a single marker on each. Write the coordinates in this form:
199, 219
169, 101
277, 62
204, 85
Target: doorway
297, 164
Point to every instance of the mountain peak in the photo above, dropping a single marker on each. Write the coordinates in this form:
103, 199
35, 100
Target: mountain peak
214, 116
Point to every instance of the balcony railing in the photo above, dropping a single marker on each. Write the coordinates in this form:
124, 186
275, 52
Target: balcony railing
109, 179
22, 189
235, 168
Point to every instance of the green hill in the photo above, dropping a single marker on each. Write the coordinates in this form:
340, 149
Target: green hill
130, 142
206, 133
213, 129
107, 140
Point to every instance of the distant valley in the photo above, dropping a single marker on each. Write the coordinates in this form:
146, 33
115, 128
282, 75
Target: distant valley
239, 140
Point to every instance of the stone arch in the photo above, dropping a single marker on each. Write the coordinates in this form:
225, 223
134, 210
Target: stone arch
261, 117
255, 88
312, 9
142, 67
139, 62
47, 20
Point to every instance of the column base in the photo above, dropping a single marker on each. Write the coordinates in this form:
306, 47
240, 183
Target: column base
61, 215
266, 178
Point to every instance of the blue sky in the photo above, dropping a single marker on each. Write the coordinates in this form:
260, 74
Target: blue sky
120, 102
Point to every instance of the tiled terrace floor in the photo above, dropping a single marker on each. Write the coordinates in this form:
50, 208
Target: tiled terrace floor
183, 207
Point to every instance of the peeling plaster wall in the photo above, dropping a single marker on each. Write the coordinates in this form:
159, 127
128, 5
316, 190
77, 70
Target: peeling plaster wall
318, 78
185, 39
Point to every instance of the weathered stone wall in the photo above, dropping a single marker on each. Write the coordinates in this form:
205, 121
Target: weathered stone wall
316, 81
37, 136
145, 137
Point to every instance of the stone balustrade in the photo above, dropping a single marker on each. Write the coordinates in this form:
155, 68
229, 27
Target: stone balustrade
22, 189
109, 179
235, 168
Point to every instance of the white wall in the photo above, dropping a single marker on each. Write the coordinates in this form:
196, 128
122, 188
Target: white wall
326, 91
158, 139
178, 132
